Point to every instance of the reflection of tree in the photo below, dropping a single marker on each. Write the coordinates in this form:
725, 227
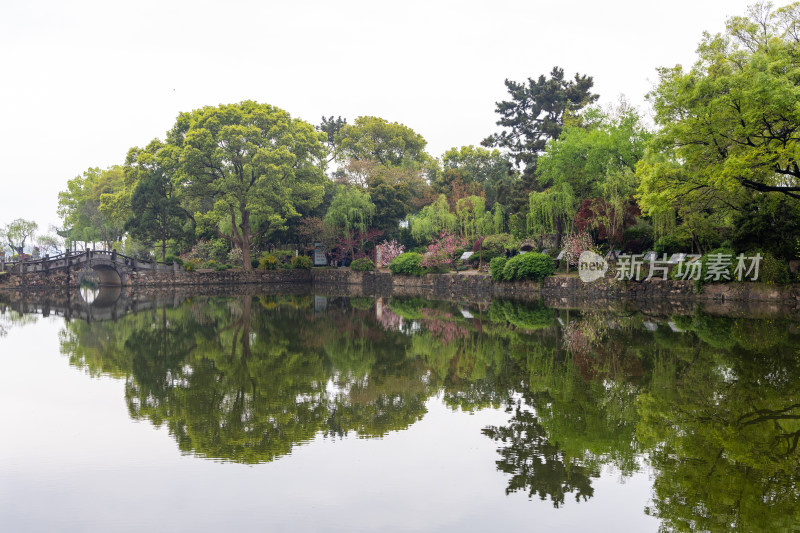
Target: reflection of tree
10, 318
246, 383
378, 389
723, 429
715, 408
248, 394
525, 315
536, 464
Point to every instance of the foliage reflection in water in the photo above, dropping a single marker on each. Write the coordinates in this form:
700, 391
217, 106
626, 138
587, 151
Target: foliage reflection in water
711, 405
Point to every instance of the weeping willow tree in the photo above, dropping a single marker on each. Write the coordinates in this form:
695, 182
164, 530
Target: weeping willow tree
616, 190
470, 212
495, 220
552, 211
664, 222
351, 211
433, 220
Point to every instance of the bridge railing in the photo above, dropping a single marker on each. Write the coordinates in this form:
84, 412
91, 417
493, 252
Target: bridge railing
71, 258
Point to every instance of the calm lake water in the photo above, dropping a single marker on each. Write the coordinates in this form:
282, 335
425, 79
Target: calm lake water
311, 413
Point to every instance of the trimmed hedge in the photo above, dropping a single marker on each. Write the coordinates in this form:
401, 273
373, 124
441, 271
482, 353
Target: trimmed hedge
531, 265
363, 264
496, 267
409, 264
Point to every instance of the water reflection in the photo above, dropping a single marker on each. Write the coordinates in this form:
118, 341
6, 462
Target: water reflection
710, 404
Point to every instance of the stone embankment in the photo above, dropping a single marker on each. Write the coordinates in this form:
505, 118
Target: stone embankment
468, 287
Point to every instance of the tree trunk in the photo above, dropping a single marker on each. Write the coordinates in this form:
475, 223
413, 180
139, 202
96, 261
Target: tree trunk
245, 227
559, 229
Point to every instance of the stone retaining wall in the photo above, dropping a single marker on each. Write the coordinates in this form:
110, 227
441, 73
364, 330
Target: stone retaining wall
481, 287
149, 278
443, 286
224, 277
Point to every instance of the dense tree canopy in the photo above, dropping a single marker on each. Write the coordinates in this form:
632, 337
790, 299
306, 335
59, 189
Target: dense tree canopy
733, 118
389, 143
259, 165
591, 164
88, 208
728, 133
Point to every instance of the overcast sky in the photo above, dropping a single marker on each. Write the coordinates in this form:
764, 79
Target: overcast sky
82, 82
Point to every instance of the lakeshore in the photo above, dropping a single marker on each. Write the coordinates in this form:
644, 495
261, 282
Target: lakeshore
663, 296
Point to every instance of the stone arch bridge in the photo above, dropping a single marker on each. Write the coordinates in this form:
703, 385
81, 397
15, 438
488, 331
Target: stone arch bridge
111, 268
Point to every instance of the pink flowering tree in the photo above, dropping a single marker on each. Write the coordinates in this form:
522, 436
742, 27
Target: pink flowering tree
441, 252
390, 250
575, 244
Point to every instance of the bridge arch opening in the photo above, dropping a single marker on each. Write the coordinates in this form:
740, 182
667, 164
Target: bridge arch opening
107, 275
102, 297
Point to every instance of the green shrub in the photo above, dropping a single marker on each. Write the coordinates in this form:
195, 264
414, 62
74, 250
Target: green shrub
638, 238
496, 267
284, 256
363, 264
170, 259
302, 262
220, 249
531, 265
705, 259
436, 269
496, 245
223, 267
409, 264
771, 270
254, 263
268, 262
190, 266
511, 270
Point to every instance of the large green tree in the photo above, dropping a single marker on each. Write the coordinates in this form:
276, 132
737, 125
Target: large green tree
389, 160
90, 207
463, 167
156, 213
260, 166
728, 126
535, 114
592, 164
733, 118
389, 143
